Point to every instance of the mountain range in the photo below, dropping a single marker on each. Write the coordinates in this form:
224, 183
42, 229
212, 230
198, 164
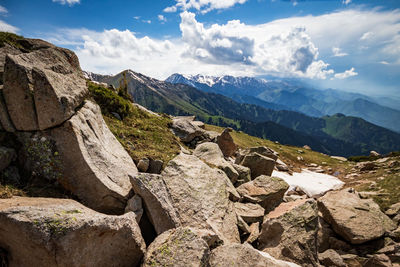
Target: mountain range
289, 94
337, 134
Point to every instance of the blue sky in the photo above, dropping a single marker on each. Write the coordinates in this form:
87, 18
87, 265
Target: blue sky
345, 44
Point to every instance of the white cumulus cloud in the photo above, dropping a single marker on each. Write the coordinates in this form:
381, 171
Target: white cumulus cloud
203, 6
5, 27
3, 10
162, 18
337, 52
69, 2
346, 74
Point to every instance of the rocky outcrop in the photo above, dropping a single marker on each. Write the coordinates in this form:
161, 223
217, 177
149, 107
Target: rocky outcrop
290, 232
199, 195
177, 247
5, 121
356, 220
258, 164
265, 191
226, 143
157, 201
42, 88
95, 166
212, 155
61, 232
237, 255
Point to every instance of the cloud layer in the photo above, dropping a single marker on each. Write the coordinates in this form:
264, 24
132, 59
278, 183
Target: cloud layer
69, 2
292, 47
203, 6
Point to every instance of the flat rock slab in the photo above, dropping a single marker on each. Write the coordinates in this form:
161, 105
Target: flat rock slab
356, 220
62, 232
250, 212
177, 247
238, 255
264, 190
96, 167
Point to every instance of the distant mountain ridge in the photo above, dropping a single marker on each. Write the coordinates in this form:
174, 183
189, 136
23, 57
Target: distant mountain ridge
287, 127
289, 95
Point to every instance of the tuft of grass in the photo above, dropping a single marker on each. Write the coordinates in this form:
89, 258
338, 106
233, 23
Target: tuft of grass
11, 39
140, 133
8, 191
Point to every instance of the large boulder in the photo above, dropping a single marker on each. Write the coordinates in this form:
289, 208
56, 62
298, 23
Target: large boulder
331, 258
157, 201
356, 220
238, 255
212, 155
62, 232
258, 164
226, 143
200, 196
177, 247
262, 150
95, 166
264, 190
183, 128
290, 232
43, 88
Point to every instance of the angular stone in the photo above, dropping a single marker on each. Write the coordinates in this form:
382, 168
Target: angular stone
5, 120
254, 232
177, 247
249, 212
143, 165
238, 255
258, 164
356, 220
244, 174
135, 205
43, 88
212, 155
62, 232
290, 232
226, 143
155, 166
393, 210
157, 201
95, 166
265, 191
331, 258
199, 195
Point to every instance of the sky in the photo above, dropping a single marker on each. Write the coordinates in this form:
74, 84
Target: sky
351, 45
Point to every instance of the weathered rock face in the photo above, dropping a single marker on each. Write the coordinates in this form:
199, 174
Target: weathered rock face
262, 150
258, 164
331, 258
264, 190
356, 220
95, 165
226, 143
185, 129
7, 155
212, 154
244, 174
42, 88
237, 255
290, 232
61, 232
249, 212
157, 201
200, 197
5, 121
177, 247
